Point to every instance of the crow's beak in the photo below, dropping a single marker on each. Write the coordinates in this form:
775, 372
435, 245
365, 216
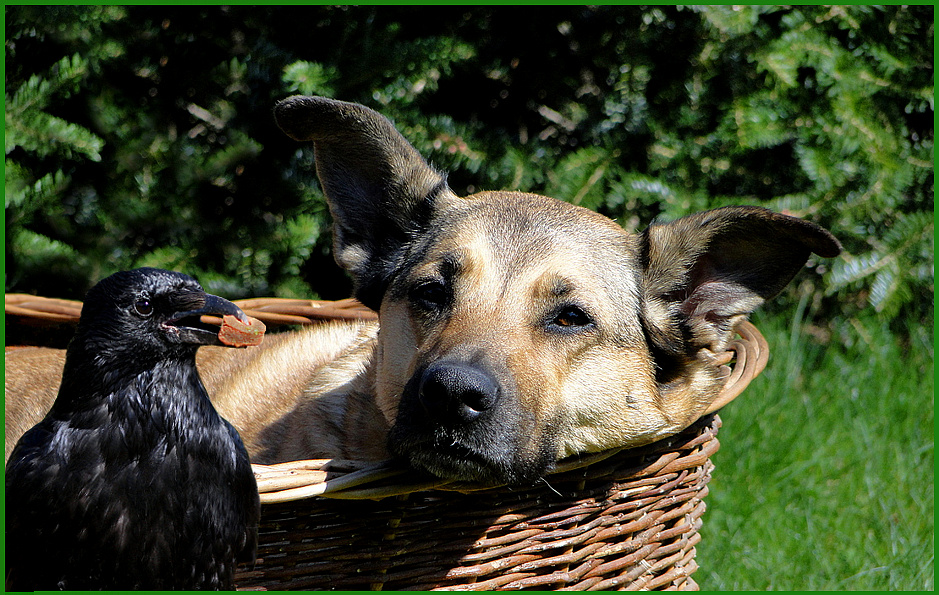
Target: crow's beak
189, 327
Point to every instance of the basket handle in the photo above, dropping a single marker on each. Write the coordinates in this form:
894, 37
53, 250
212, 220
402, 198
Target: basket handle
752, 353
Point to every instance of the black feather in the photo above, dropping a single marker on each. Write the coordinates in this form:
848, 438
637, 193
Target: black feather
132, 480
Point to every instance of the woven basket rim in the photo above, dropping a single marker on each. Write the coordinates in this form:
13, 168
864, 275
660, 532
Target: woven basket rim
40, 310
745, 357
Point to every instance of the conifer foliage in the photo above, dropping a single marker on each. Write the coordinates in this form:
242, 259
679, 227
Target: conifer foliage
143, 135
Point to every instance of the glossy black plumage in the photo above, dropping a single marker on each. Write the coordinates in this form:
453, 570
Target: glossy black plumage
132, 480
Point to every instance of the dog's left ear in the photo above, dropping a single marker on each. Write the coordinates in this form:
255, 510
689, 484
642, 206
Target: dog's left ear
706, 272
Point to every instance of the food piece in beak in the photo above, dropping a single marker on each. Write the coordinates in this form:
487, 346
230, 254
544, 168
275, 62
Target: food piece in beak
238, 333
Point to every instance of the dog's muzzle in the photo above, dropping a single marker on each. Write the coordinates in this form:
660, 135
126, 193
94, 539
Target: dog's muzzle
459, 419
453, 392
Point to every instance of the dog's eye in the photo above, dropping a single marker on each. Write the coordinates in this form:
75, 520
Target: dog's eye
431, 295
571, 317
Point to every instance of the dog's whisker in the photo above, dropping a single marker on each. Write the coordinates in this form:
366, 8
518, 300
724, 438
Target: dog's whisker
550, 487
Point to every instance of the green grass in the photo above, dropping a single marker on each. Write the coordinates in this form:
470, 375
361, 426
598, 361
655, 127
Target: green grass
824, 479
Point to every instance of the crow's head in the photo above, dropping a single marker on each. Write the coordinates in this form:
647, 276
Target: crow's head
148, 314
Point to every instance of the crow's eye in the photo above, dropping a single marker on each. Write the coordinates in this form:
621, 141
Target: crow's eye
571, 318
143, 307
429, 295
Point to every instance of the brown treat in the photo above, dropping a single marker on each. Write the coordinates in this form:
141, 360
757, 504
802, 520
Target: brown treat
236, 333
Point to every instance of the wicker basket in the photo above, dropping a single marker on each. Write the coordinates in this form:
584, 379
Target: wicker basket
621, 519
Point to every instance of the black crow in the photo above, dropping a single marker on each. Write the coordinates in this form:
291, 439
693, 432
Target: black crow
133, 480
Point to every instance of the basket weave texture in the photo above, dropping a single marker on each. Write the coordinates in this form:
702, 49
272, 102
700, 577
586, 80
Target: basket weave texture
623, 519
627, 521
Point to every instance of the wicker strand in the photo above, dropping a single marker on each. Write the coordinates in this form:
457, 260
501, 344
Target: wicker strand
39, 311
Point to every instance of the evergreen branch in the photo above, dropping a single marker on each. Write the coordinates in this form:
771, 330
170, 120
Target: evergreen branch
850, 269
45, 134
18, 192
60, 80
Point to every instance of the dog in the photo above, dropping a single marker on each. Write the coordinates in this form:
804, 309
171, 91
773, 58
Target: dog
514, 329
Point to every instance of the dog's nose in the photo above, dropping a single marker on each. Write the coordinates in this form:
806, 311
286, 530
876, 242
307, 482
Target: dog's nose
457, 390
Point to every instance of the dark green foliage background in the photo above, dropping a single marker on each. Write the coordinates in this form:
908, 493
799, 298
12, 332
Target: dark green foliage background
143, 135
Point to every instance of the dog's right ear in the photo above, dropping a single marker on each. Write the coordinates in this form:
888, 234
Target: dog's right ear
378, 186
704, 273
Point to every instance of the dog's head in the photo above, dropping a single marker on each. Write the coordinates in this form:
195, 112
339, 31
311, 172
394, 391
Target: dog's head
518, 329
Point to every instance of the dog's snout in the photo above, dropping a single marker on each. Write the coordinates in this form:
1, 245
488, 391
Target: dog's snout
456, 390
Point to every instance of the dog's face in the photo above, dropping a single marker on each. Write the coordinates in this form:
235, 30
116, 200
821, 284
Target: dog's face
505, 345
518, 329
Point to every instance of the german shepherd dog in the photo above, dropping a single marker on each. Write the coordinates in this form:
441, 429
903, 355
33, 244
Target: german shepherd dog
515, 329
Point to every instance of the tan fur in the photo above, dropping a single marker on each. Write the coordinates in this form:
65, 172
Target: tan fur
278, 375
31, 381
515, 330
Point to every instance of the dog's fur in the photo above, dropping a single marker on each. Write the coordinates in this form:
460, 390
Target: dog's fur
515, 329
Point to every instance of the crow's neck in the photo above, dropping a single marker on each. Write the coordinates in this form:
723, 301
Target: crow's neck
167, 395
